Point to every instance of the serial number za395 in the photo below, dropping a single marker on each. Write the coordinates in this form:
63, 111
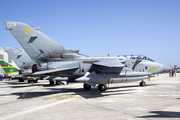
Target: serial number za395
11, 24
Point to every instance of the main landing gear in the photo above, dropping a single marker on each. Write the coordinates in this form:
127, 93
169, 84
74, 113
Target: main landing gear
57, 82
51, 82
142, 83
101, 87
87, 86
21, 80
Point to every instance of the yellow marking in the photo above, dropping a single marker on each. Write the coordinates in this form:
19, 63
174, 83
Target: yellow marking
10, 73
11, 70
152, 69
27, 31
23, 96
18, 101
60, 96
66, 97
55, 96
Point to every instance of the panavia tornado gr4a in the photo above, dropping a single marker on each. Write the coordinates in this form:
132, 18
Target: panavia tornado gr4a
67, 65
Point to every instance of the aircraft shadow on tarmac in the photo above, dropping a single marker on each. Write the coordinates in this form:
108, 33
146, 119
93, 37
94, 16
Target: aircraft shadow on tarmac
88, 94
18, 84
162, 114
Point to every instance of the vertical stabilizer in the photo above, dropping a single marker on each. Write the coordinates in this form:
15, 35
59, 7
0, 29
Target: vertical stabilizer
36, 44
7, 68
22, 60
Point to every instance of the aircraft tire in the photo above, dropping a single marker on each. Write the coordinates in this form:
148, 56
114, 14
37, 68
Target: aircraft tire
87, 86
57, 83
29, 81
51, 82
21, 80
102, 87
142, 83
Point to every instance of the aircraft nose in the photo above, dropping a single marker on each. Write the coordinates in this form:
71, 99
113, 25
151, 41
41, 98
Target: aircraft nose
166, 68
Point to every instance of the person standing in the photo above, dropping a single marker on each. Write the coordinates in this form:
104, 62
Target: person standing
172, 73
175, 72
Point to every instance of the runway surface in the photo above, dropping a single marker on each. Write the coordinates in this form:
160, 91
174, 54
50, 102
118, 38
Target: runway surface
160, 99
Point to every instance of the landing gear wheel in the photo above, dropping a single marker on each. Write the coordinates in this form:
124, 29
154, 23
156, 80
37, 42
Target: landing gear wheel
87, 86
102, 87
28, 81
21, 80
142, 83
51, 82
57, 82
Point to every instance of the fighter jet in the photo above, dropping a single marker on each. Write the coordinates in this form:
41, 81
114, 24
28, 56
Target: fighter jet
70, 65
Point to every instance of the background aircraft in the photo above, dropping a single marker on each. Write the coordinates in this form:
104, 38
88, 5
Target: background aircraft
25, 63
68, 64
8, 69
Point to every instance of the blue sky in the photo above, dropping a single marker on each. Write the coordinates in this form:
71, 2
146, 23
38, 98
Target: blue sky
101, 27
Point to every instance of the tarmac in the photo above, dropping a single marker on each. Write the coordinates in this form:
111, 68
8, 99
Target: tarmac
160, 99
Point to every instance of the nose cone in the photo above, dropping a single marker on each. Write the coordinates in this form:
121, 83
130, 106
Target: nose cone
166, 68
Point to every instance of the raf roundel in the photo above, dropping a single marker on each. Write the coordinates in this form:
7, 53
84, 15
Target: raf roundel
146, 67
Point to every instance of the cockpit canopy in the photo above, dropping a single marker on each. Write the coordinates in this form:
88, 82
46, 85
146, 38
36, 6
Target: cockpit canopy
138, 57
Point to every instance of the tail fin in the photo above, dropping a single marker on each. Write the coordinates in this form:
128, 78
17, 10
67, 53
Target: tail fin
35, 43
8, 69
22, 60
